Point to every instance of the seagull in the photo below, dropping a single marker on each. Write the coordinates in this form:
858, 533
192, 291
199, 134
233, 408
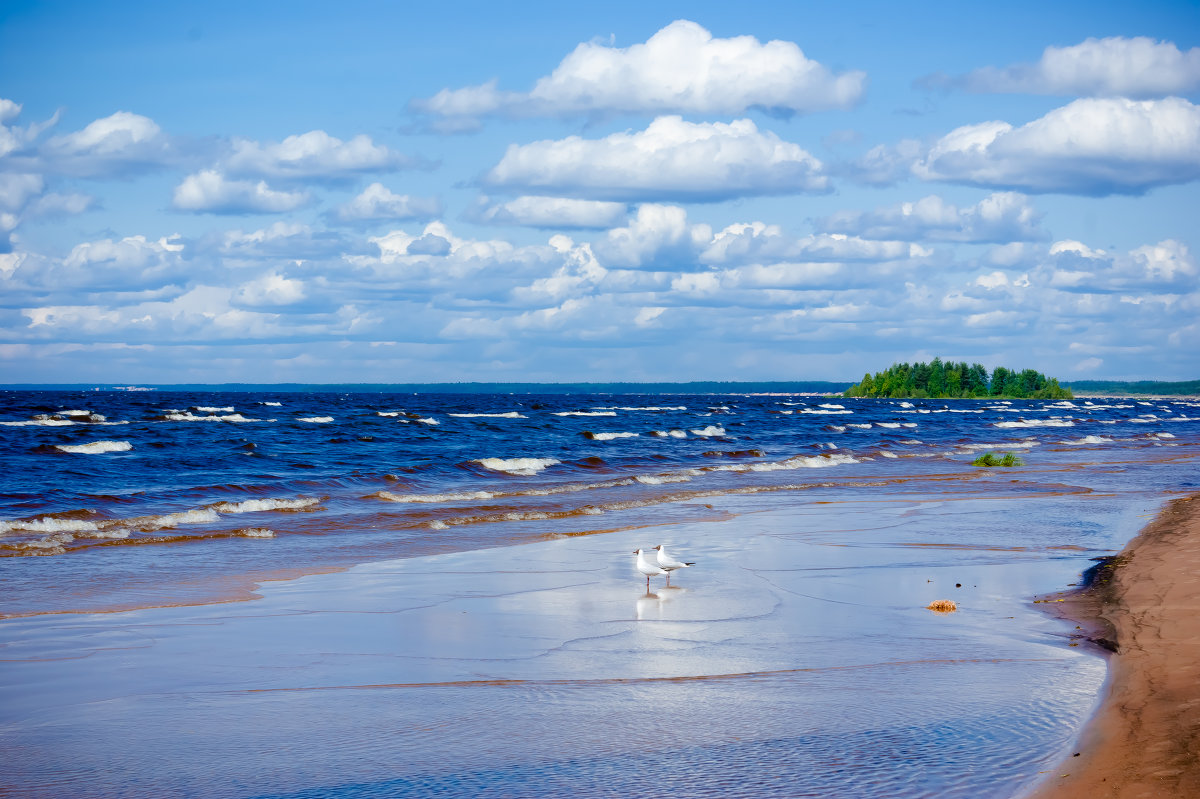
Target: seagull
648, 569
668, 564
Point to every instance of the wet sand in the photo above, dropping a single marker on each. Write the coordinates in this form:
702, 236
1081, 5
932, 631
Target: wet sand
1144, 740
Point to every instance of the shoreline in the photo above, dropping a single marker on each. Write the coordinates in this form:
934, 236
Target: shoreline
1143, 605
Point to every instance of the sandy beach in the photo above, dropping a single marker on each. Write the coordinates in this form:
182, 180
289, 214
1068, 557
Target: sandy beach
1144, 740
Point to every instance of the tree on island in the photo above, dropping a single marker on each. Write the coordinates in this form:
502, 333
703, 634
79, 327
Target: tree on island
948, 380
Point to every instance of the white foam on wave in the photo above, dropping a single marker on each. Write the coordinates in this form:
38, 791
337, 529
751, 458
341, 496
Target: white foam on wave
257, 505
450, 496
824, 411
586, 413
889, 425
1001, 446
48, 525
387, 413
866, 426
612, 436
908, 424
428, 420
710, 431
798, 462
39, 423
1162, 435
256, 532
644, 408
521, 466
96, 447
669, 433
509, 415
838, 428
1088, 440
834, 407
1052, 422
887, 454
316, 419
906, 405
187, 416
1183, 419
74, 413
273, 404
214, 409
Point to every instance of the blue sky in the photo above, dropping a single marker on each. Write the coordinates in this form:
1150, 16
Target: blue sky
378, 192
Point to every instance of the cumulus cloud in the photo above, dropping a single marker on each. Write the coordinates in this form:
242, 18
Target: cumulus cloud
312, 155
1003, 217
1091, 146
290, 240
210, 191
1167, 267
551, 212
377, 202
269, 290
119, 144
680, 69
670, 159
1115, 66
660, 236
131, 265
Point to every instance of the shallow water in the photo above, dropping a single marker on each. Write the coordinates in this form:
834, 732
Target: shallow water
505, 658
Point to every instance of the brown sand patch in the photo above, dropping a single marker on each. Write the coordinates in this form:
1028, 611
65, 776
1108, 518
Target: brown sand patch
942, 606
1144, 741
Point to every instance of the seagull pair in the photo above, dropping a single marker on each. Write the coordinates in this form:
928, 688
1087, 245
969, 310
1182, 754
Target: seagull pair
666, 565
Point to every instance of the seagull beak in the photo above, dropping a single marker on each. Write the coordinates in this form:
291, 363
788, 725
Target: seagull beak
659, 546
637, 552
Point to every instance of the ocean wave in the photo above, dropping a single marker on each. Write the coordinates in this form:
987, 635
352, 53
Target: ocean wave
586, 413
663, 479
610, 436
1162, 435
834, 407
388, 413
1088, 440
39, 423
48, 524
1003, 445
258, 505
885, 453
255, 532
449, 496
644, 408
838, 428
866, 426
711, 431
273, 404
889, 425
315, 419
428, 420
669, 433
213, 409
526, 467
187, 416
823, 411
509, 415
1053, 422
798, 462
96, 447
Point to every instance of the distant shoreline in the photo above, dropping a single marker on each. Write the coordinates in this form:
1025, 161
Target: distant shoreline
820, 388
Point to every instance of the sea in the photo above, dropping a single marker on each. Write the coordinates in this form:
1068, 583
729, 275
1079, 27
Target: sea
123, 508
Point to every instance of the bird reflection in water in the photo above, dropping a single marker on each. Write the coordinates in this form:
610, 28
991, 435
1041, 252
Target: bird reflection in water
650, 605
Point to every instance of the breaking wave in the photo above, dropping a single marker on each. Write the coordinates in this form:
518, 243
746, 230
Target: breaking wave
96, 447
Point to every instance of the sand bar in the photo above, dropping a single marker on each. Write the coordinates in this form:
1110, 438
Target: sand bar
1144, 740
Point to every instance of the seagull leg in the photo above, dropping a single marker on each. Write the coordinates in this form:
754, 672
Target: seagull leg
668, 579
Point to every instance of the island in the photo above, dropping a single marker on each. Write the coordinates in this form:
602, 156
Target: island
949, 380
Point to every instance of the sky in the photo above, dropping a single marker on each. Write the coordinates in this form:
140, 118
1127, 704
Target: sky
398, 192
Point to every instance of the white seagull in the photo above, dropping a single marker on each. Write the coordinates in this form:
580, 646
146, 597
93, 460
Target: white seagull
668, 564
647, 568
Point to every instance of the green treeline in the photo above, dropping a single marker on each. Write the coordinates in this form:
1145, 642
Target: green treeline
949, 380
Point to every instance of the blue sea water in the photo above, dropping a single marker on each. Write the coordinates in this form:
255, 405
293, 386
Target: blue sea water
837, 509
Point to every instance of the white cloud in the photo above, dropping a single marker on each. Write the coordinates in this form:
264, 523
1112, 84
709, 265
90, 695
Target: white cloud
1116, 66
16, 189
659, 237
377, 202
999, 218
120, 143
552, 212
315, 154
212, 192
1167, 267
670, 159
1090, 147
680, 69
271, 289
